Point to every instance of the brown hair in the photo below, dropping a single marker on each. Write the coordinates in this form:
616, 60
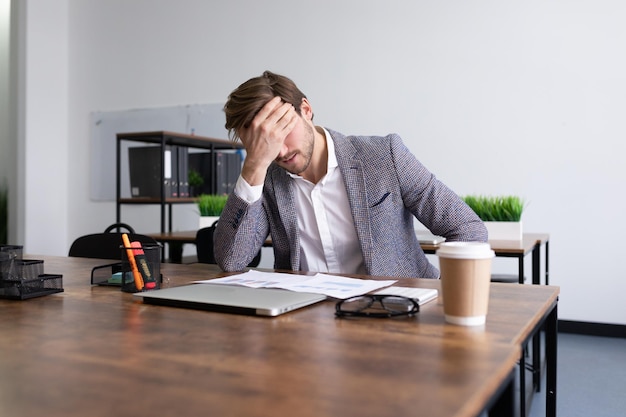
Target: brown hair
247, 99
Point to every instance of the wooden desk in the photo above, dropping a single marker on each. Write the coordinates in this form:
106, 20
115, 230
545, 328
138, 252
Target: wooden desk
95, 351
531, 242
176, 240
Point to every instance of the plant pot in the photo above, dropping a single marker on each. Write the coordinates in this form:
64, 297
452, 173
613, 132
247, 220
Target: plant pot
207, 221
504, 230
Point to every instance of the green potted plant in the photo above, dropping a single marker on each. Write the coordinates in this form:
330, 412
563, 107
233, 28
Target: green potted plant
210, 207
502, 215
195, 181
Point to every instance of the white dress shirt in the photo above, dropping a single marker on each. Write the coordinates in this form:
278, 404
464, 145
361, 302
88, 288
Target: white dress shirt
328, 240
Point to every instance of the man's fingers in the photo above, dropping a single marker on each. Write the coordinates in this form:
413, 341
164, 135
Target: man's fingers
289, 120
269, 128
272, 112
267, 110
281, 114
280, 118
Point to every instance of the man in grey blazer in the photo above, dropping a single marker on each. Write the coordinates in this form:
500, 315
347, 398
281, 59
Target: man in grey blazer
332, 203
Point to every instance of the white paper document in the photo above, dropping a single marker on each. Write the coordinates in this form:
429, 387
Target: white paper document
421, 295
330, 285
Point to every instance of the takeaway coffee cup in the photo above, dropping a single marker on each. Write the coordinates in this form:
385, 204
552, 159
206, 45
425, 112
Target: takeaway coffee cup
465, 278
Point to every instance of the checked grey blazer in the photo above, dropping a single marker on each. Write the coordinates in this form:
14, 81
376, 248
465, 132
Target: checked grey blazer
386, 187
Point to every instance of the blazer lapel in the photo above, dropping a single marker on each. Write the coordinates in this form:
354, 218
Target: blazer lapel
353, 174
287, 213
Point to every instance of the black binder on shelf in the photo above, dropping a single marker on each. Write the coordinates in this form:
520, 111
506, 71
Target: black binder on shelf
234, 170
220, 179
221, 172
152, 181
201, 162
182, 153
170, 171
145, 175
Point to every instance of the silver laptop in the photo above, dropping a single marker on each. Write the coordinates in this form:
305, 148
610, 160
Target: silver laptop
231, 299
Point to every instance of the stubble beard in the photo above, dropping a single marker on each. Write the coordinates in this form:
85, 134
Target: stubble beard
306, 152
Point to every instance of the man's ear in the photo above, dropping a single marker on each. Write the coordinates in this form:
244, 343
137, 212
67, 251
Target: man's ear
306, 110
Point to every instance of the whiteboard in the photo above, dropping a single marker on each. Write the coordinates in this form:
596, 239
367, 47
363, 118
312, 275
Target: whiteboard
201, 119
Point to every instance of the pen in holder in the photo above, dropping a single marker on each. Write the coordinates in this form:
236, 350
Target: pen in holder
141, 266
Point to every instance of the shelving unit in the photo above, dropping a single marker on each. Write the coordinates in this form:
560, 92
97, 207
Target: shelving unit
164, 138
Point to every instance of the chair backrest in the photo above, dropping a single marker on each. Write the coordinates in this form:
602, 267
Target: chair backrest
204, 247
119, 226
106, 245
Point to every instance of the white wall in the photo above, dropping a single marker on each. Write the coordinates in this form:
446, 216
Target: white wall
522, 97
5, 143
42, 133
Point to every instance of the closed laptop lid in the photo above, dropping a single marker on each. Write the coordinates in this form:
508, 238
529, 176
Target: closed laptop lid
231, 299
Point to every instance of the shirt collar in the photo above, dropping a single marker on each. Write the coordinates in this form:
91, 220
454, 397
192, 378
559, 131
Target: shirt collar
330, 145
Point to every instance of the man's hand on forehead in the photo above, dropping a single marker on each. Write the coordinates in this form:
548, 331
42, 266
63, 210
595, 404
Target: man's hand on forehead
275, 121
265, 137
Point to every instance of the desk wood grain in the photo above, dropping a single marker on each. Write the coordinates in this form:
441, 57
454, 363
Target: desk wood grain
99, 352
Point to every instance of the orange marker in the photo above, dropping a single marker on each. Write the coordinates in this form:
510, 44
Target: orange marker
132, 262
142, 264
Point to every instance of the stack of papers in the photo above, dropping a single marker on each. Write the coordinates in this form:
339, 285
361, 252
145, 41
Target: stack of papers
420, 295
330, 285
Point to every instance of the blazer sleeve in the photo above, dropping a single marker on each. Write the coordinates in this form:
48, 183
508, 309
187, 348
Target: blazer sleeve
435, 205
240, 233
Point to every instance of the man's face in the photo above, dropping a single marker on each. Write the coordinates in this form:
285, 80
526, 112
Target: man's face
297, 151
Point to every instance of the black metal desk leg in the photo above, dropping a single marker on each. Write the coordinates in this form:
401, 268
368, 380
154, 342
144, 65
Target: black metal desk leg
175, 252
522, 382
505, 404
551, 326
547, 262
537, 337
537, 361
537, 264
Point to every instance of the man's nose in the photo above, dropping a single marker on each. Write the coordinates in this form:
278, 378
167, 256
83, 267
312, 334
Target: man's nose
284, 151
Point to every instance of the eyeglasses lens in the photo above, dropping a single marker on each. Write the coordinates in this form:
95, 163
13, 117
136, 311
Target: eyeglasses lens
357, 304
397, 304
392, 304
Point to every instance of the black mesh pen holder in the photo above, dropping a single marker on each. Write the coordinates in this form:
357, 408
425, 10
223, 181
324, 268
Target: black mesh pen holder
25, 269
27, 280
143, 272
107, 275
8, 255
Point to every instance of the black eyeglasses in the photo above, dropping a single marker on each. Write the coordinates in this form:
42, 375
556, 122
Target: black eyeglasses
376, 306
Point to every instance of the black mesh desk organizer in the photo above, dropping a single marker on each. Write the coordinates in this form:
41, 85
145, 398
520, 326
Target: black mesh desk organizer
21, 279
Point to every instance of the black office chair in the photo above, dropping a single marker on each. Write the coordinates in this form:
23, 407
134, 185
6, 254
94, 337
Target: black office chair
106, 245
204, 247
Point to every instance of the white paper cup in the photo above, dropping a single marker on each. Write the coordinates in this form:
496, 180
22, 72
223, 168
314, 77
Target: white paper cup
465, 279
